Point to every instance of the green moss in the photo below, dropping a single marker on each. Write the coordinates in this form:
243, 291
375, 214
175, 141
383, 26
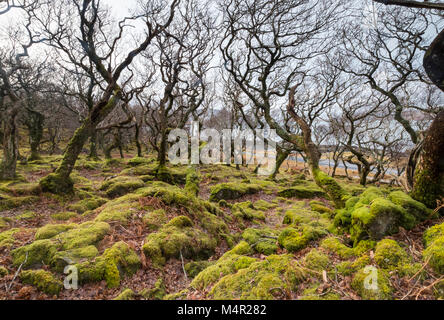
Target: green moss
155, 219
62, 258
121, 185
176, 237
120, 209
312, 293
192, 181
35, 254
51, 230
126, 294
292, 240
181, 295
264, 205
21, 189
54, 183
87, 204
7, 238
347, 268
272, 278
333, 244
426, 189
381, 218
229, 263
389, 254
415, 208
3, 272
88, 233
7, 203
156, 293
195, 267
232, 190
43, 280
137, 161
383, 290
331, 188
262, 240
115, 262
316, 260
301, 192
434, 253
321, 209
64, 216
433, 233
246, 210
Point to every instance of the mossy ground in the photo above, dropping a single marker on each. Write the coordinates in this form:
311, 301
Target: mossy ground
212, 232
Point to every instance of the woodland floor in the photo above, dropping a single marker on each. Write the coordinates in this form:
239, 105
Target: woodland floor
34, 210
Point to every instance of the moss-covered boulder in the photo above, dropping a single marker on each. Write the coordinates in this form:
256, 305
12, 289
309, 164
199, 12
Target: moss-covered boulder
3, 272
87, 204
372, 288
43, 280
413, 207
7, 202
195, 267
51, 230
434, 252
272, 278
389, 254
64, 216
115, 262
262, 240
177, 237
232, 261
121, 185
302, 192
35, 254
232, 190
69, 257
374, 215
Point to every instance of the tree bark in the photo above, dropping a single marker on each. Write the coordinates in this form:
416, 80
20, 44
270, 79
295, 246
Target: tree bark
429, 177
10, 144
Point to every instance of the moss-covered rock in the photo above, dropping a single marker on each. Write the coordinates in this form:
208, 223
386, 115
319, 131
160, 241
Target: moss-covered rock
413, 207
232, 190
156, 293
434, 252
68, 257
246, 210
54, 183
301, 192
7, 238
155, 219
51, 230
272, 278
192, 181
121, 185
313, 293
3, 272
364, 286
64, 216
115, 262
335, 245
229, 263
126, 294
43, 280
87, 204
262, 240
35, 254
7, 202
389, 254
137, 161
177, 237
85, 234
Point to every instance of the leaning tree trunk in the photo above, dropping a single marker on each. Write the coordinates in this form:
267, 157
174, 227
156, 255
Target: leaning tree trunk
10, 145
325, 182
60, 181
282, 155
429, 177
136, 137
